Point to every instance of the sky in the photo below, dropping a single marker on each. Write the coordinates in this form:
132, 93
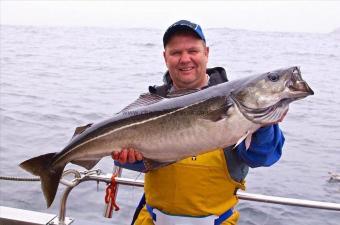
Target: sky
285, 16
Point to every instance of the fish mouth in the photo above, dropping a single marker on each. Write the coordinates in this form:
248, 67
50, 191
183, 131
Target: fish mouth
300, 89
297, 85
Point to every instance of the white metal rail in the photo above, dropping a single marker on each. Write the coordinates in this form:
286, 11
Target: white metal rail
241, 194
98, 176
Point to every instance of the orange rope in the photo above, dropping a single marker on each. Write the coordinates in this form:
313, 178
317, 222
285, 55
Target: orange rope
110, 197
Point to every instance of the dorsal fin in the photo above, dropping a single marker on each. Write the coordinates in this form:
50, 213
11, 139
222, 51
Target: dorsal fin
181, 92
80, 130
143, 100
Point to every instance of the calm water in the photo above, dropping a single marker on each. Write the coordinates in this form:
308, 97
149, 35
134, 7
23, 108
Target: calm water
55, 79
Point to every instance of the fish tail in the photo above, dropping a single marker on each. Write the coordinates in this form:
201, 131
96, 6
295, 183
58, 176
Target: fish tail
49, 176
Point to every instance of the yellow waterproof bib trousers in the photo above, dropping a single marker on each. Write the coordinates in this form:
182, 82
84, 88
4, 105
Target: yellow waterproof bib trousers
196, 186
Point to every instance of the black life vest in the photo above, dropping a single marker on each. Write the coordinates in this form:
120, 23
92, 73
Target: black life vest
217, 75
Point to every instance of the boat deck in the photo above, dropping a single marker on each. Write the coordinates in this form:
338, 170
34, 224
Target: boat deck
14, 216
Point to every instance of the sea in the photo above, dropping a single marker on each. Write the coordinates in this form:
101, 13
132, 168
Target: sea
54, 79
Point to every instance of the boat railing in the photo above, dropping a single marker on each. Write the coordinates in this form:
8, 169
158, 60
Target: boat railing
99, 176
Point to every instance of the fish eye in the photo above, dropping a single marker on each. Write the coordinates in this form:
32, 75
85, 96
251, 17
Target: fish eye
273, 77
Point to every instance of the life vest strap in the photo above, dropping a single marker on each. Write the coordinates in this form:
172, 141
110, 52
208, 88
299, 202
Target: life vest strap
223, 217
150, 210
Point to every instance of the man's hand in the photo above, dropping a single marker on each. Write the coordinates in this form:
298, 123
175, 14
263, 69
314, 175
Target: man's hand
129, 155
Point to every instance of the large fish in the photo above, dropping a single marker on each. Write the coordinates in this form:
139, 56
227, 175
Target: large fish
188, 123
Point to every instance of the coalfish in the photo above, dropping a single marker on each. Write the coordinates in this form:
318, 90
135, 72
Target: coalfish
166, 130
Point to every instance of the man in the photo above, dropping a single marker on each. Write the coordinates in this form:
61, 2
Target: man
201, 189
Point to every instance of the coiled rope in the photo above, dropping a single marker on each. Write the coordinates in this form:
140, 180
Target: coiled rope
19, 178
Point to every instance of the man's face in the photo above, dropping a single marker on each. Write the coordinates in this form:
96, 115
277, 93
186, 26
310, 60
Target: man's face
186, 57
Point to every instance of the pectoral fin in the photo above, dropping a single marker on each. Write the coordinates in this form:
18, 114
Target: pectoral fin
248, 141
86, 163
218, 113
247, 138
215, 115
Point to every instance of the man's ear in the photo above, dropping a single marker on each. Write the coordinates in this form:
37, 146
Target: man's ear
165, 59
164, 56
207, 51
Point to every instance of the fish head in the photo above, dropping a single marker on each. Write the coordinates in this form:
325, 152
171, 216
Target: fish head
265, 98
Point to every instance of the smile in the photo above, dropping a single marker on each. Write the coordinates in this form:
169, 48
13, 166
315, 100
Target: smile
186, 69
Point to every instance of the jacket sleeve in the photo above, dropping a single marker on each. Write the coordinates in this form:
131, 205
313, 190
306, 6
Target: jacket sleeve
265, 148
137, 166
